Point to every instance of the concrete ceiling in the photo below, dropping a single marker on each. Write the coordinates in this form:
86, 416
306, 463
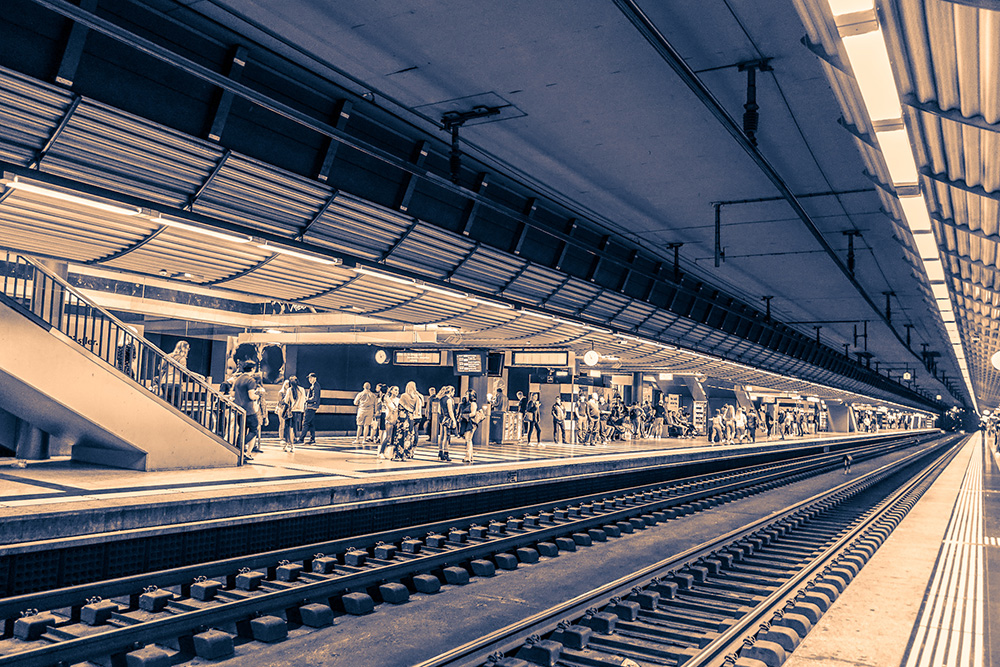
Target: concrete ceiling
595, 120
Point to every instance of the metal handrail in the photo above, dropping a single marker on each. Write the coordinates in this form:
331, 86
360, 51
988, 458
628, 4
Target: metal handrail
59, 305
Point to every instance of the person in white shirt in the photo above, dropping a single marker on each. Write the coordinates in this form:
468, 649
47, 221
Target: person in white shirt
365, 402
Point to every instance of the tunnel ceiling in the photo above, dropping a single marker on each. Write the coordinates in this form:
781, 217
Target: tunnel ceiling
319, 127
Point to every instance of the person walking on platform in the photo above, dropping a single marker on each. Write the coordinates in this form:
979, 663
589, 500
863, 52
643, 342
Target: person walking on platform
313, 398
558, 421
245, 396
847, 463
448, 421
365, 402
532, 418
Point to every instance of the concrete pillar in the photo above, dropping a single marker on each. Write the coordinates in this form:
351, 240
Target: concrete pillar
47, 299
32, 442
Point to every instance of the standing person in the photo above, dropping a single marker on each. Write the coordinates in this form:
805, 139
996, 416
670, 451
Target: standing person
433, 414
365, 402
558, 421
245, 396
741, 424
499, 399
390, 413
659, 414
468, 411
532, 418
260, 405
448, 421
379, 428
408, 413
522, 404
594, 420
296, 396
768, 422
847, 463
171, 377
729, 422
313, 398
752, 424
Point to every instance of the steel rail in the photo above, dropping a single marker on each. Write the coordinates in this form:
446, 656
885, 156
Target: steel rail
512, 636
731, 638
170, 626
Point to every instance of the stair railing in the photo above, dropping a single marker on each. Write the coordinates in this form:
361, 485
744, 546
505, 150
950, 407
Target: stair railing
56, 304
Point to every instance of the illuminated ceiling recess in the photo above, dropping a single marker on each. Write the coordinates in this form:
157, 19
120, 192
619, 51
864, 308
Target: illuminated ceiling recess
863, 42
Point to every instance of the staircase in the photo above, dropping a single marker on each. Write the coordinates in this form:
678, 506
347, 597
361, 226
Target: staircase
81, 375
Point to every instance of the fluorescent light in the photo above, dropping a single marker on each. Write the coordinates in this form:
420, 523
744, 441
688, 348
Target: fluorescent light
487, 302
840, 7
926, 245
383, 276
915, 211
591, 327
870, 62
666, 376
898, 155
541, 316
273, 331
200, 230
73, 199
934, 270
445, 292
295, 253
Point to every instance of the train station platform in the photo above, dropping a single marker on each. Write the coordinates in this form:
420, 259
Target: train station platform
80, 504
936, 601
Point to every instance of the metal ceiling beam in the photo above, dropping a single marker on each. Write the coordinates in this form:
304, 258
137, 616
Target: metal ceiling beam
126, 250
674, 59
977, 190
953, 115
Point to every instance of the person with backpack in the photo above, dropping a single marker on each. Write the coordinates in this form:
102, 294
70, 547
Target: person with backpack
847, 463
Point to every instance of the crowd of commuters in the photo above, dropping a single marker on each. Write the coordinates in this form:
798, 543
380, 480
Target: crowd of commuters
731, 425
394, 421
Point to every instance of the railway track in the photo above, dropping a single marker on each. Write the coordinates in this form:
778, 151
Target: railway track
745, 599
157, 619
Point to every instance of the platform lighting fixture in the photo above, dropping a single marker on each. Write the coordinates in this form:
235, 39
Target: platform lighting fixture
73, 199
299, 255
445, 292
940, 291
874, 74
926, 245
666, 377
539, 315
898, 156
200, 230
591, 327
383, 276
273, 332
489, 302
934, 270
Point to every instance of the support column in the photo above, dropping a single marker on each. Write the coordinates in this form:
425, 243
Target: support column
32, 442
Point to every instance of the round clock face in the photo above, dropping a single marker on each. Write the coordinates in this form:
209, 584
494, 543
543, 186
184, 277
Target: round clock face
591, 358
381, 357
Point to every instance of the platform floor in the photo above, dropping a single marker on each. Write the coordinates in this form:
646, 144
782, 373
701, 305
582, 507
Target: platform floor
331, 459
920, 601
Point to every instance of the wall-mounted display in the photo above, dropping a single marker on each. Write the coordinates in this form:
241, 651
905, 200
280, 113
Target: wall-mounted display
416, 357
528, 358
470, 363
